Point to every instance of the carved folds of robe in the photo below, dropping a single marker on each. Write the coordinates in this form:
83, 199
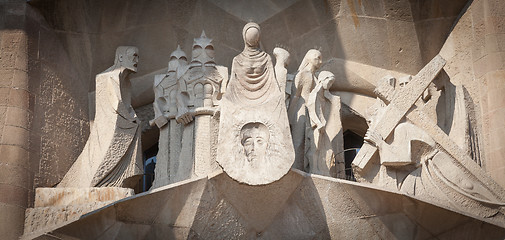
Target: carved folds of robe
253, 98
112, 156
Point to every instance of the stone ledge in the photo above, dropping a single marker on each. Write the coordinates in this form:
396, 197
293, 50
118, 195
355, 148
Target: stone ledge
45, 197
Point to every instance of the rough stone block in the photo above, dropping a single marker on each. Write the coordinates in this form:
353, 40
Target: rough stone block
42, 219
45, 197
15, 136
15, 175
15, 156
13, 195
19, 98
9, 220
18, 117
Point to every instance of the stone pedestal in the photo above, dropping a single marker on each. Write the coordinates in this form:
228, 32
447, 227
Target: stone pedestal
56, 207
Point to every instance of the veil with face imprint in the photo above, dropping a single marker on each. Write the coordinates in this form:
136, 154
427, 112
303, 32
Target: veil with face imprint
255, 145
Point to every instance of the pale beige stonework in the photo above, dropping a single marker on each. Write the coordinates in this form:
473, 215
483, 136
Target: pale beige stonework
325, 136
112, 156
255, 145
298, 206
411, 161
186, 111
439, 172
56, 207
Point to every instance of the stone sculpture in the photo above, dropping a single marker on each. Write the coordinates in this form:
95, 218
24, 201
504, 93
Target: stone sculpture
281, 73
303, 85
165, 108
326, 138
199, 87
112, 156
413, 162
254, 140
191, 90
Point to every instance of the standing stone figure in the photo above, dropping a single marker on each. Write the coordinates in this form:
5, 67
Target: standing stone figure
165, 109
281, 73
297, 112
198, 88
112, 157
255, 144
326, 138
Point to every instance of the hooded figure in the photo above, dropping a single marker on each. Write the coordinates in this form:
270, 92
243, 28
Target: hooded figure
254, 140
252, 73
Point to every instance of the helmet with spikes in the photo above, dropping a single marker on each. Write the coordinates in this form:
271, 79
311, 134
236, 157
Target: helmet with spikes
177, 58
203, 51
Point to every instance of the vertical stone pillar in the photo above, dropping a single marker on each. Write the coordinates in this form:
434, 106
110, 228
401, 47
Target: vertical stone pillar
488, 54
175, 140
203, 132
16, 178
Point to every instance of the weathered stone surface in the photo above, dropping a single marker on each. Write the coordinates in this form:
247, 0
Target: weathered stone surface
112, 156
255, 146
46, 197
56, 207
299, 205
50, 51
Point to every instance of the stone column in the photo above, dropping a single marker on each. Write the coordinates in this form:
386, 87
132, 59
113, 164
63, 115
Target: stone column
175, 141
488, 55
203, 132
16, 178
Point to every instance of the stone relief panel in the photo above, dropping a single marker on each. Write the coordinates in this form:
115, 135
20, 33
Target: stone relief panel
418, 158
255, 145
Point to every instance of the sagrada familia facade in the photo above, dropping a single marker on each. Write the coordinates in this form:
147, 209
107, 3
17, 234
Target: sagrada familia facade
293, 119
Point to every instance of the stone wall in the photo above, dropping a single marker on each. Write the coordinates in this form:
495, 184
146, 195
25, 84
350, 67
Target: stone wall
16, 108
488, 59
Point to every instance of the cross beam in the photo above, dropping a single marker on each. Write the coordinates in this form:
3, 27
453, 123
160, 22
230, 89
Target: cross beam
401, 103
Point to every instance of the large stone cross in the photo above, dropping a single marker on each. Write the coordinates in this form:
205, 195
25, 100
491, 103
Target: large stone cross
400, 104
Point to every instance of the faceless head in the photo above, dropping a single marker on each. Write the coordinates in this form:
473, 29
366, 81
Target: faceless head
177, 58
316, 58
127, 57
312, 59
203, 51
251, 34
254, 138
327, 79
281, 55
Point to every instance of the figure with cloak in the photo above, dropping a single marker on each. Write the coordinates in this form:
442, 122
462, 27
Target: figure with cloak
254, 139
112, 156
304, 82
325, 138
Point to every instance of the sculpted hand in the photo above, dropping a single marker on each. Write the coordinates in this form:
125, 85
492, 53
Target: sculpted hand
184, 116
373, 138
159, 121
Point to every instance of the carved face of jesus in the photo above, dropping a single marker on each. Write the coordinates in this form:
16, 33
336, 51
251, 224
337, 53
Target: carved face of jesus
254, 139
252, 37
